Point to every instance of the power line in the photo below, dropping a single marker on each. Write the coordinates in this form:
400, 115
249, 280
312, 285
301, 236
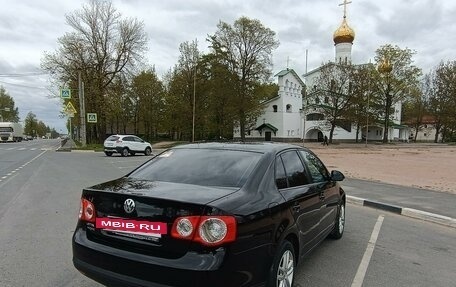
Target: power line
18, 75
23, 86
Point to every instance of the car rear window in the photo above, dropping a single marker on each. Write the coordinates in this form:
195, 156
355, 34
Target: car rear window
112, 138
207, 167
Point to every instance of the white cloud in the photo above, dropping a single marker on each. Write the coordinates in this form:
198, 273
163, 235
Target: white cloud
29, 27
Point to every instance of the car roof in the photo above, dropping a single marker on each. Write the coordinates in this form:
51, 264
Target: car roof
262, 147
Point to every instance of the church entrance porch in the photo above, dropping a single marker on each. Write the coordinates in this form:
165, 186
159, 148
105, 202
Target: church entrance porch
314, 135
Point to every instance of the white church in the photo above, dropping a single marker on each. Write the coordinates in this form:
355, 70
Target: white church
290, 117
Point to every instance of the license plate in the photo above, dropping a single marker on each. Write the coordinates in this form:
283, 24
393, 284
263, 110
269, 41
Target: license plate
132, 226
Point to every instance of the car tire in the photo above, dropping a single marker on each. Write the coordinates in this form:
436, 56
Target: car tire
108, 153
283, 266
124, 152
339, 225
148, 151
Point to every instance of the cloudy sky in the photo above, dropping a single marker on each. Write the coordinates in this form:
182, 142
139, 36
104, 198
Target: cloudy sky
28, 28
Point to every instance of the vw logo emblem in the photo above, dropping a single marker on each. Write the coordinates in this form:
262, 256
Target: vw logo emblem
129, 205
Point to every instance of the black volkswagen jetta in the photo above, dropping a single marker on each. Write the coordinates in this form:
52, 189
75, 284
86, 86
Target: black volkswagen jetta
209, 214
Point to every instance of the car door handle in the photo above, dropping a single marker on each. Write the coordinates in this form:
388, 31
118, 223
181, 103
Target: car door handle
296, 207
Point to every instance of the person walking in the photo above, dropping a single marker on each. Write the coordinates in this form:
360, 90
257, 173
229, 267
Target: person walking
325, 142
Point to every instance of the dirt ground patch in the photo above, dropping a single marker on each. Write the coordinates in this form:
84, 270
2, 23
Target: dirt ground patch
416, 165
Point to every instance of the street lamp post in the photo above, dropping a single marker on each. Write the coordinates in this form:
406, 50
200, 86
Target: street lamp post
81, 111
367, 118
386, 68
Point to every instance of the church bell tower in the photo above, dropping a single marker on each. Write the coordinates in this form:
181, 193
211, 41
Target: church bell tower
343, 39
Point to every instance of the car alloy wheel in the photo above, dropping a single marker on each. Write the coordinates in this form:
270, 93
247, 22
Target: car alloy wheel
285, 270
282, 270
341, 219
339, 224
148, 151
125, 152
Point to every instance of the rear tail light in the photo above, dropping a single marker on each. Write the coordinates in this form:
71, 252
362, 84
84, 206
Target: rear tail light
207, 230
87, 211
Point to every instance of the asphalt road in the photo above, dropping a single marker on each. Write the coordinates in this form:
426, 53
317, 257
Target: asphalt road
39, 204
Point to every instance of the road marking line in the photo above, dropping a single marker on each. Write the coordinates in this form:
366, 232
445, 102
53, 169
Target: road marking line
362, 269
12, 172
22, 148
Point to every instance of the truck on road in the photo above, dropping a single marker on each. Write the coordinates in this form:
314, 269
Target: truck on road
11, 132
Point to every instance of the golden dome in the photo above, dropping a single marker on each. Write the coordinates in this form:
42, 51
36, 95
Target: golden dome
344, 34
385, 66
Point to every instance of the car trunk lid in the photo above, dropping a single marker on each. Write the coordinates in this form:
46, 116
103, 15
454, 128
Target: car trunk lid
147, 202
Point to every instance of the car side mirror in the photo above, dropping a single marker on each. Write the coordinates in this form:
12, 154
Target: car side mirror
337, 175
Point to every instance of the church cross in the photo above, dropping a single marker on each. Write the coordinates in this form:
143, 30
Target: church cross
345, 7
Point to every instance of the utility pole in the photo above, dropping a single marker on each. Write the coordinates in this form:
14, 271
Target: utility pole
194, 95
367, 110
82, 124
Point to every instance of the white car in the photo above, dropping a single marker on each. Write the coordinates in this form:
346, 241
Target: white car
125, 145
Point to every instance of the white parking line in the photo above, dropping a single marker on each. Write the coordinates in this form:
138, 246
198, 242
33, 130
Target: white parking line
359, 277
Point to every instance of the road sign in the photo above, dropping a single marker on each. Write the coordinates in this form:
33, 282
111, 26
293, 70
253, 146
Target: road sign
65, 93
92, 118
69, 109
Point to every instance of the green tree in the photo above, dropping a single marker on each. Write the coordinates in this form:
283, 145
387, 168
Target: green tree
362, 99
395, 79
31, 124
246, 49
101, 46
218, 84
182, 86
440, 90
149, 91
333, 95
414, 110
8, 111
118, 113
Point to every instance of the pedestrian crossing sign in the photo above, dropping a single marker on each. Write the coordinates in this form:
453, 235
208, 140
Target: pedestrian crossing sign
92, 118
69, 109
65, 93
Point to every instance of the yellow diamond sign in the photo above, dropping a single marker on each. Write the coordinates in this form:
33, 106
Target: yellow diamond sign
69, 109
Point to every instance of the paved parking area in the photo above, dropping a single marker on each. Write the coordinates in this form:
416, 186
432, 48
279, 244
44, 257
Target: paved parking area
407, 252
36, 230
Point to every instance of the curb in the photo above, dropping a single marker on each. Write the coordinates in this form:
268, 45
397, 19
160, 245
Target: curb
60, 149
409, 212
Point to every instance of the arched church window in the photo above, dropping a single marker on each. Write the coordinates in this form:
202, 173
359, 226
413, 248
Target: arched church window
326, 100
289, 108
274, 108
317, 100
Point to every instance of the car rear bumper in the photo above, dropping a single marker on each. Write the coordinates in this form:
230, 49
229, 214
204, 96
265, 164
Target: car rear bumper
115, 267
113, 149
